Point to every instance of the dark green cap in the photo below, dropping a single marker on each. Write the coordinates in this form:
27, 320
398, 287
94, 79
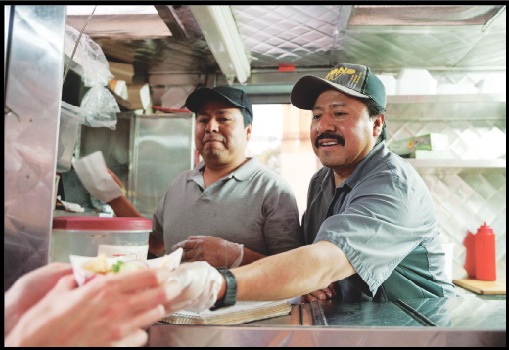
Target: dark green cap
233, 96
352, 79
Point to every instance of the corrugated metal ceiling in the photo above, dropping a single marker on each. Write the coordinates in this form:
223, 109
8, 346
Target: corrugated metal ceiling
386, 38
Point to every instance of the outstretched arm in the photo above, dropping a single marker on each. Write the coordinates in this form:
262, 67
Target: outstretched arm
292, 273
286, 275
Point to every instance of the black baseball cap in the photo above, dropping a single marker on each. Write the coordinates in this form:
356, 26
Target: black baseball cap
233, 96
352, 79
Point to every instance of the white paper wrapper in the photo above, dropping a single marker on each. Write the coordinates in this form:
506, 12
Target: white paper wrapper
82, 275
94, 176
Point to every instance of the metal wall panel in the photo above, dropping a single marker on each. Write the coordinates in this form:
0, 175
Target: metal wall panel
465, 194
162, 146
32, 115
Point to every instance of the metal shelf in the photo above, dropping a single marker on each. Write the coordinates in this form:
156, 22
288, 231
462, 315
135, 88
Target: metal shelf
458, 163
445, 98
442, 108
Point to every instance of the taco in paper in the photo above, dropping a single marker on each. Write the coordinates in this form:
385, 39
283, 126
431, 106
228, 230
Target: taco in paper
86, 268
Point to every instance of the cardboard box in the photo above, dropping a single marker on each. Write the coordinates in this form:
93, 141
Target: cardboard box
429, 142
132, 96
122, 71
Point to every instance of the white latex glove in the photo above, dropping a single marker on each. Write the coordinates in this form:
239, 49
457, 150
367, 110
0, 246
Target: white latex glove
216, 251
200, 284
238, 249
94, 176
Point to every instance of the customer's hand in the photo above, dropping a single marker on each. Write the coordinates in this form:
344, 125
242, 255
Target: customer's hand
30, 289
216, 251
109, 310
200, 283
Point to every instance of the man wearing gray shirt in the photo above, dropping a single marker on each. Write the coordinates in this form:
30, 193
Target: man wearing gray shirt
228, 210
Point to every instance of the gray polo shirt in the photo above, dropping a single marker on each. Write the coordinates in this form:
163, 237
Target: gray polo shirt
383, 219
252, 205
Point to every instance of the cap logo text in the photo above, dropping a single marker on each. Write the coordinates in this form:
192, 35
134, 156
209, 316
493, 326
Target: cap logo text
336, 73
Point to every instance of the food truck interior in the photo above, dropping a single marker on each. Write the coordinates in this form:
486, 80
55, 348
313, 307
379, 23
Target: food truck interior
444, 68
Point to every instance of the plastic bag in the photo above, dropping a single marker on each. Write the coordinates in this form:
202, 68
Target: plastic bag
100, 108
90, 56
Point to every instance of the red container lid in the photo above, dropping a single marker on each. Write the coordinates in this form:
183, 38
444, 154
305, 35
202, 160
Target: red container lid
95, 223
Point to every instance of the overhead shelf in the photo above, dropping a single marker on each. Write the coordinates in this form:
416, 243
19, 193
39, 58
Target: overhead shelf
458, 163
442, 108
446, 98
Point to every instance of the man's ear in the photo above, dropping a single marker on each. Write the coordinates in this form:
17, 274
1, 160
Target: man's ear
249, 130
378, 123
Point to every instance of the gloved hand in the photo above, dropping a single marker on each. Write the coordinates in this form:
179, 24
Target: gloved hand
216, 251
200, 283
95, 177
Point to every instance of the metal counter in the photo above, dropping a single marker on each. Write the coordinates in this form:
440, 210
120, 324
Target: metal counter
462, 321
468, 312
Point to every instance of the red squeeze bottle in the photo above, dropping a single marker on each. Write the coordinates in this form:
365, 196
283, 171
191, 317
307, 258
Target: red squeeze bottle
469, 243
485, 268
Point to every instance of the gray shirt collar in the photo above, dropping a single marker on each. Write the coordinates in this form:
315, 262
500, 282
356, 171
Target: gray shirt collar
364, 167
242, 173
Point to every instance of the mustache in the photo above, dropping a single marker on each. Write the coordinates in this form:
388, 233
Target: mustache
340, 139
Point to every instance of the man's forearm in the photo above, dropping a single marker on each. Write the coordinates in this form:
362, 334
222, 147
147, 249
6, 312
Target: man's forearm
123, 208
250, 256
293, 273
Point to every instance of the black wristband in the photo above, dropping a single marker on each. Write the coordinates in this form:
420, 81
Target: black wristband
230, 295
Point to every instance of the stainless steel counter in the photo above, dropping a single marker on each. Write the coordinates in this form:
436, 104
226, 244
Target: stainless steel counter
462, 321
465, 312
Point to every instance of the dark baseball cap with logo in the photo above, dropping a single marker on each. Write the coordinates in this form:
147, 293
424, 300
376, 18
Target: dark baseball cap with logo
233, 96
352, 79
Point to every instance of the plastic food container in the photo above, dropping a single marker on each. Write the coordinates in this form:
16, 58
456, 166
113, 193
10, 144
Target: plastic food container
92, 235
